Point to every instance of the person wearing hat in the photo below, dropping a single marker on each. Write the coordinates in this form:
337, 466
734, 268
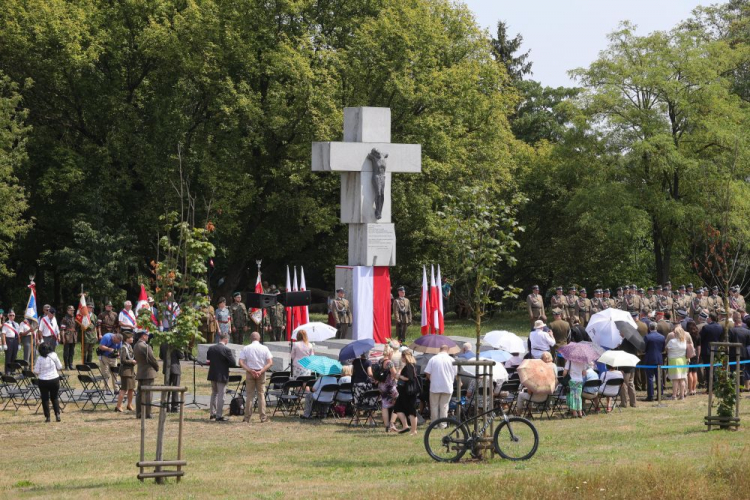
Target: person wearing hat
343, 314
49, 332
663, 300
619, 298
689, 293
10, 331
27, 330
663, 322
278, 317
109, 323
540, 340
607, 300
402, 313
569, 310
697, 304
238, 313
69, 334
535, 305
736, 301
90, 336
632, 300
596, 303
651, 298
583, 308
223, 318
714, 300
557, 301
146, 370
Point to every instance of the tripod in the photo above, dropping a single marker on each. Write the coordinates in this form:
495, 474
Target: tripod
194, 402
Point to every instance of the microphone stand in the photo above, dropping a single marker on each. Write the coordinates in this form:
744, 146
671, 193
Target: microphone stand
194, 402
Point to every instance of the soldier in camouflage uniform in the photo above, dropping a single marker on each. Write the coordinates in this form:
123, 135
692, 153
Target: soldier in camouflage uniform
714, 300
583, 308
343, 314
238, 313
69, 334
109, 321
89, 335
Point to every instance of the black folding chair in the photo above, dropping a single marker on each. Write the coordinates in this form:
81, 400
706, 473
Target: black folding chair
323, 404
611, 389
68, 391
345, 396
92, 392
31, 386
366, 407
591, 397
275, 387
14, 391
289, 399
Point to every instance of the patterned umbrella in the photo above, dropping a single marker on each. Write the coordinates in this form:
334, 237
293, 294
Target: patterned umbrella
507, 341
579, 353
356, 349
430, 344
538, 376
595, 347
321, 365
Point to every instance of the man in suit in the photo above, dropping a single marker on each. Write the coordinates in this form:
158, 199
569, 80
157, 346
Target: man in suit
175, 374
147, 368
221, 359
741, 335
654, 356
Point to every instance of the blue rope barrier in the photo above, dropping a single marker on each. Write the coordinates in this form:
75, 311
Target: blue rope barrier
654, 367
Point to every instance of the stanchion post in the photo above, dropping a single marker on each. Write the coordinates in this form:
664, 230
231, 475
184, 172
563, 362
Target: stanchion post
658, 383
141, 395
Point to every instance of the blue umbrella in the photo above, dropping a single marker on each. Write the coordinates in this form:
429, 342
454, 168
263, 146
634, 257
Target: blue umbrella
356, 349
499, 356
321, 365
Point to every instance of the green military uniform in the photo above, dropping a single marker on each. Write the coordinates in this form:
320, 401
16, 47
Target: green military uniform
570, 305
535, 306
238, 313
402, 314
619, 300
597, 304
583, 308
110, 323
343, 315
90, 338
208, 325
278, 321
697, 304
664, 327
558, 302
714, 301
632, 302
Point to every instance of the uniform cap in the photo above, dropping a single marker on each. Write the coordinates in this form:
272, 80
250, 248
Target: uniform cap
633, 287
619, 289
606, 290
535, 287
339, 290
660, 313
571, 288
634, 314
682, 287
52, 310
715, 288
640, 290
721, 310
703, 314
650, 289
659, 288
690, 285
582, 290
556, 311
109, 303
681, 312
237, 294
558, 288
401, 289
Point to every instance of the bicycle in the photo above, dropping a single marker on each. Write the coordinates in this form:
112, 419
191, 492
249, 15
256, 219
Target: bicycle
447, 439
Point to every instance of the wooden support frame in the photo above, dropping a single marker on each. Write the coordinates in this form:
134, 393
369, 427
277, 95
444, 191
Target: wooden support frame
179, 463
714, 420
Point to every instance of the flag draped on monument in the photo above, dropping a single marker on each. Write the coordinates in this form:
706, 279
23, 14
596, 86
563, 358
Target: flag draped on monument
371, 285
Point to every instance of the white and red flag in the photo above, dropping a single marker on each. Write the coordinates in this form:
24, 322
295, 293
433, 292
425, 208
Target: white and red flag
425, 303
304, 310
82, 315
142, 301
289, 326
441, 313
255, 313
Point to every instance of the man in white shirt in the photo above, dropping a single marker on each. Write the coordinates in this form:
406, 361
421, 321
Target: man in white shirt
126, 318
255, 359
48, 329
26, 330
540, 340
10, 332
441, 372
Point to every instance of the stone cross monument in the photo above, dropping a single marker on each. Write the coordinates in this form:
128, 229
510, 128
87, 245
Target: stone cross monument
366, 160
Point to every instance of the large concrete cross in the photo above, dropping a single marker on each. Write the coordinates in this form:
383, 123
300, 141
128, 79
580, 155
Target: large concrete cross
366, 160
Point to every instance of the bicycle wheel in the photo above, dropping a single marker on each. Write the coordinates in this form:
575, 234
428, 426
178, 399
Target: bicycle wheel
516, 439
445, 440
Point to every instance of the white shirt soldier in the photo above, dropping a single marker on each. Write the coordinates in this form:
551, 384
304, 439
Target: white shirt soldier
11, 333
49, 331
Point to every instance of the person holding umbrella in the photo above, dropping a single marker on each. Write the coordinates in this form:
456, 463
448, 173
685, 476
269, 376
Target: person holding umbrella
577, 357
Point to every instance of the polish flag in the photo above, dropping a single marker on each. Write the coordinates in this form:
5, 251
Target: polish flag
82, 315
305, 316
257, 314
142, 300
297, 309
370, 302
289, 326
434, 306
441, 312
425, 304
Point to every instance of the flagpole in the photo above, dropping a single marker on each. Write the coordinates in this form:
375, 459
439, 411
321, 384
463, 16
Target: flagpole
83, 335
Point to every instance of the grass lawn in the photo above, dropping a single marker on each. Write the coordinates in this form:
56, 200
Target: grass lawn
648, 452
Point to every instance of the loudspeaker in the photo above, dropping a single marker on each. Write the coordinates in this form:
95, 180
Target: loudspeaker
291, 299
261, 300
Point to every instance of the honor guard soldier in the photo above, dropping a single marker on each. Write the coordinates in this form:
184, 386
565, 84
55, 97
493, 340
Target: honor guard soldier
619, 298
69, 334
632, 300
535, 305
238, 313
737, 301
557, 301
278, 318
714, 300
609, 302
402, 312
569, 311
651, 298
682, 303
596, 302
89, 335
663, 325
697, 304
583, 308
689, 292
645, 303
343, 314
108, 320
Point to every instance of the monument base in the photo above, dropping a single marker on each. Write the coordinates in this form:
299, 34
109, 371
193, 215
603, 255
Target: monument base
368, 289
